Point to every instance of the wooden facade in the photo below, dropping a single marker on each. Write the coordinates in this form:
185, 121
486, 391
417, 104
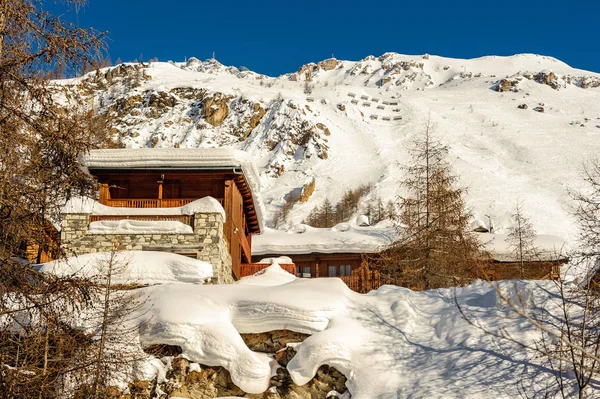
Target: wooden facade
47, 248
323, 265
168, 187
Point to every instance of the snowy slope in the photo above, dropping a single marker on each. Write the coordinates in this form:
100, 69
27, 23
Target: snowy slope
501, 152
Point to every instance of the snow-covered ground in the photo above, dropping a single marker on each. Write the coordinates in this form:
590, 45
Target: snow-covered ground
390, 343
502, 153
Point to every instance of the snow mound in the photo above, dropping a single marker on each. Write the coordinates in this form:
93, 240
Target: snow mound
269, 276
134, 267
392, 342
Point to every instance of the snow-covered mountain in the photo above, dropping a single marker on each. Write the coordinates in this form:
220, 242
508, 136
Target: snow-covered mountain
519, 127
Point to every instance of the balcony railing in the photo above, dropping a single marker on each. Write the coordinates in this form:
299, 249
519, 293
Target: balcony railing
150, 202
248, 269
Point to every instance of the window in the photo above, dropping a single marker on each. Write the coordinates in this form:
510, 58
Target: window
306, 271
332, 271
344, 270
298, 271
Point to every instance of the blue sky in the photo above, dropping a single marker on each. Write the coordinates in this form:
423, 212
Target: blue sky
275, 37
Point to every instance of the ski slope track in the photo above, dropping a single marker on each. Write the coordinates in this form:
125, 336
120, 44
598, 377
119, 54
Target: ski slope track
359, 119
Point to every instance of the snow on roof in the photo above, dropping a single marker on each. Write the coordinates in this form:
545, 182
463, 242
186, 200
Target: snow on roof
93, 207
182, 158
342, 238
548, 247
134, 267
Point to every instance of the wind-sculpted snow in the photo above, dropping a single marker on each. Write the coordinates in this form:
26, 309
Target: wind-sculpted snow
390, 343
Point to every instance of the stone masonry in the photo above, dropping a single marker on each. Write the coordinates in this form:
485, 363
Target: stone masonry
207, 239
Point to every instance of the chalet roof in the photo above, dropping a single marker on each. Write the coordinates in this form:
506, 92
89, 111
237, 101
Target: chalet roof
181, 158
547, 247
342, 238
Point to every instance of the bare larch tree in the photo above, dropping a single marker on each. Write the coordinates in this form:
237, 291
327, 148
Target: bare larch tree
436, 248
521, 238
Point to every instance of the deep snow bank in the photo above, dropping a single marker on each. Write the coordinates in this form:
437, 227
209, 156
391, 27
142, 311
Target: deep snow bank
390, 343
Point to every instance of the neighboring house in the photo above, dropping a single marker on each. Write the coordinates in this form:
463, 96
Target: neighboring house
326, 252
199, 202
543, 261
343, 251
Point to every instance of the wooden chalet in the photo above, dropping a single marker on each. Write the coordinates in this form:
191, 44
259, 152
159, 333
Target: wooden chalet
164, 178
347, 252
322, 252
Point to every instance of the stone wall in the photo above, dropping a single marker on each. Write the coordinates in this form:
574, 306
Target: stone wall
207, 239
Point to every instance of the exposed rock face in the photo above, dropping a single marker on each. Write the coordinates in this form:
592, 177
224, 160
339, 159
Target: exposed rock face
215, 109
272, 342
189, 93
249, 116
193, 381
328, 65
539, 109
504, 85
324, 128
522, 106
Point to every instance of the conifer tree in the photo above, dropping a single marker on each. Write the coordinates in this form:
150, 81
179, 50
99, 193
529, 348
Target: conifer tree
437, 249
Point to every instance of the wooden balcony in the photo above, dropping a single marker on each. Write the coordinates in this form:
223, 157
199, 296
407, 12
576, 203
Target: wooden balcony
150, 202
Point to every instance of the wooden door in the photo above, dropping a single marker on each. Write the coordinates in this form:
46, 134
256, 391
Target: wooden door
234, 227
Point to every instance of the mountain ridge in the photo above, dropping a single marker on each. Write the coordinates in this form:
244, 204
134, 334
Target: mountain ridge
350, 122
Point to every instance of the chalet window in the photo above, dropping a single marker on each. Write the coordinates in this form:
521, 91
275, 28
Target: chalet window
344, 270
348, 269
306, 271
298, 271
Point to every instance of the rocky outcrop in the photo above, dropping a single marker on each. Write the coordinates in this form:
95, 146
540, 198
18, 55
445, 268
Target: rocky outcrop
522, 106
215, 109
323, 128
185, 379
504, 85
328, 65
273, 341
189, 93
249, 115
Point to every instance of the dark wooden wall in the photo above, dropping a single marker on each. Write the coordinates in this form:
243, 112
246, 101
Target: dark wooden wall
319, 263
192, 184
